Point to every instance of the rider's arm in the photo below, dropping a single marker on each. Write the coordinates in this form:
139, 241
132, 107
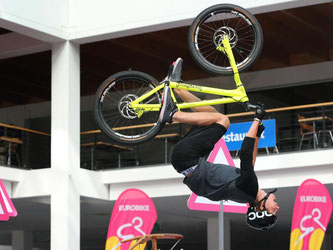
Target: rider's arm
255, 150
253, 134
260, 130
187, 96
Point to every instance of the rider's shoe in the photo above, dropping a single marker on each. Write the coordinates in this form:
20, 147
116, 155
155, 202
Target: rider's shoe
176, 72
168, 107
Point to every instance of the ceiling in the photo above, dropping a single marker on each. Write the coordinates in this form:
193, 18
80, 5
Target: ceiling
291, 37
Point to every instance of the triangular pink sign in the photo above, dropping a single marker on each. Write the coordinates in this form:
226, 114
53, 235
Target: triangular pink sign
7, 208
220, 154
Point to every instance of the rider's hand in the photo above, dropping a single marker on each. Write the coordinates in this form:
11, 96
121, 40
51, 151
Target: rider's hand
260, 112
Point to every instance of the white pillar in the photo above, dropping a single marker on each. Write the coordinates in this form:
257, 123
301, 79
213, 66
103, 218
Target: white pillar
212, 234
22, 240
227, 233
65, 146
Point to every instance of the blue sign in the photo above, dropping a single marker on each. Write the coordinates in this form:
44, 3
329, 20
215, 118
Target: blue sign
237, 132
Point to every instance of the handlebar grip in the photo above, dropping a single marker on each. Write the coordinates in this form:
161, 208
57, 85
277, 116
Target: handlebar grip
249, 106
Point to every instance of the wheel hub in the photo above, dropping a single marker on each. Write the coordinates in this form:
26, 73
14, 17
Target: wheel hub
222, 31
123, 106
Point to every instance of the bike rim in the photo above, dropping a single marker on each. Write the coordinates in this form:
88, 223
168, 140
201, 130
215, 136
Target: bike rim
209, 33
117, 115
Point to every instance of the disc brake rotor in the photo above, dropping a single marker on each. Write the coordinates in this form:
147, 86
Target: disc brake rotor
123, 106
221, 32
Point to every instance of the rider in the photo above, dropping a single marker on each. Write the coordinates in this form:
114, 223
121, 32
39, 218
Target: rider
214, 181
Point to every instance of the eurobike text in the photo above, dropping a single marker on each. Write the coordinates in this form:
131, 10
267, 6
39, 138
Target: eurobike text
134, 208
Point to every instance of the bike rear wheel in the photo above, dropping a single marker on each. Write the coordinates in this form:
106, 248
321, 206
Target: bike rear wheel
207, 31
113, 114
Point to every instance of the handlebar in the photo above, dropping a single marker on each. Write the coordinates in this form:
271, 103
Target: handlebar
250, 107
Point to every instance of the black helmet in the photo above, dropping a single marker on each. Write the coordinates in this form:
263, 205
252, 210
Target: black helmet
260, 220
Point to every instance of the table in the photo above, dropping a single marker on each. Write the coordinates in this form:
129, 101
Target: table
322, 118
153, 237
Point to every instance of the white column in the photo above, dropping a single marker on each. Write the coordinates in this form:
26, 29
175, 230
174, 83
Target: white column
212, 234
227, 233
22, 240
65, 146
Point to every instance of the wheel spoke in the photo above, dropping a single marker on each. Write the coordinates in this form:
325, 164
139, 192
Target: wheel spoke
115, 111
244, 37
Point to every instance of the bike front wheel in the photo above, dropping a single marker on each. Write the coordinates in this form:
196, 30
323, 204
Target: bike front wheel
114, 115
211, 25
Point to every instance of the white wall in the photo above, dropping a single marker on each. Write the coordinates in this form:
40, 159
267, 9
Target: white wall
274, 170
50, 17
87, 21
101, 19
124, 16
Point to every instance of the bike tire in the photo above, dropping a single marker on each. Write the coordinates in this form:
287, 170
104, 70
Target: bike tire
112, 113
208, 28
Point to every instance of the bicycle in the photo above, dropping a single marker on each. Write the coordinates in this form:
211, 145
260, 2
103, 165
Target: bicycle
127, 104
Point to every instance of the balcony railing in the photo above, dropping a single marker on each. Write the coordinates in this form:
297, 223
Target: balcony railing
30, 149
24, 148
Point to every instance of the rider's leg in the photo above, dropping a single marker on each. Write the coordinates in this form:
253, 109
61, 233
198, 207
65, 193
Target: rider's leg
169, 113
203, 115
201, 118
187, 96
198, 142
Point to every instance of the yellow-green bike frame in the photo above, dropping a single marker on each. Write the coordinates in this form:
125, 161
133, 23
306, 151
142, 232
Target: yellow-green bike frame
228, 96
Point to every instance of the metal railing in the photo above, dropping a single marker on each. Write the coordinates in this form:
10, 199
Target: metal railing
24, 148
30, 149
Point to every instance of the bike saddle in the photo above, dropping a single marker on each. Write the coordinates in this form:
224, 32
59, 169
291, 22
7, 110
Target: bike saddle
175, 71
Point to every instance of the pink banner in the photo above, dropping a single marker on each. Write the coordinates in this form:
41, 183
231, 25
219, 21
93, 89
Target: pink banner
312, 212
134, 214
7, 208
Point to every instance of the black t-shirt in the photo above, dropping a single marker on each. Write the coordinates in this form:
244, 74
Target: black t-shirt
222, 182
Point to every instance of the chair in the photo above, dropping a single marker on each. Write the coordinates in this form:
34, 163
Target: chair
329, 131
10, 147
307, 132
